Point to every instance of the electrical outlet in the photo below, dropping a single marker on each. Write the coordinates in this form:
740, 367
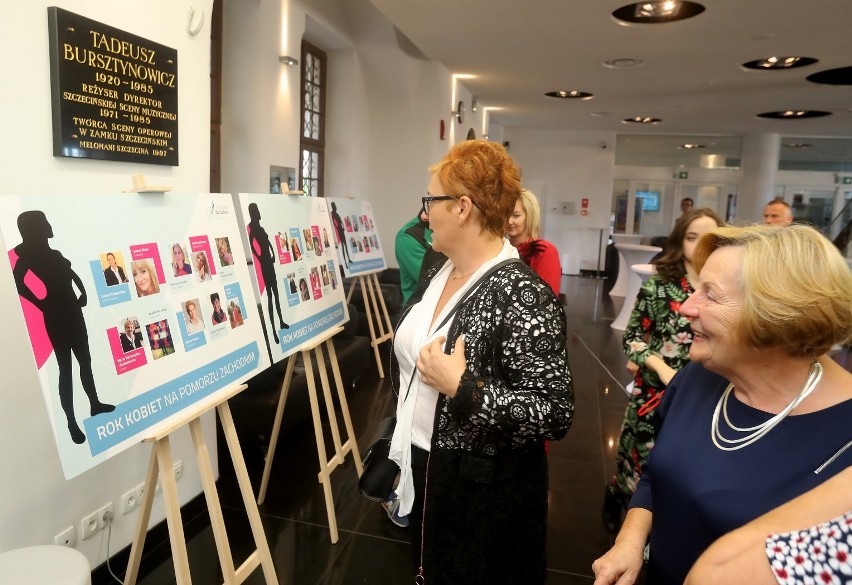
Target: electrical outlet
130, 500
67, 537
89, 525
178, 467
102, 522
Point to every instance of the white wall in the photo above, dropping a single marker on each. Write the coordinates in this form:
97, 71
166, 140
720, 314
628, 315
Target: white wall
36, 502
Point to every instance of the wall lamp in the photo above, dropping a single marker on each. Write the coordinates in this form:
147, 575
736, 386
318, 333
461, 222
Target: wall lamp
288, 60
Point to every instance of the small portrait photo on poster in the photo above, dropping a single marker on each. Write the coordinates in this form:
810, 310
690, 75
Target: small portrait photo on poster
192, 316
217, 313
130, 334
113, 265
180, 267
160, 339
145, 277
235, 314
309, 241
291, 283
223, 246
304, 290
202, 267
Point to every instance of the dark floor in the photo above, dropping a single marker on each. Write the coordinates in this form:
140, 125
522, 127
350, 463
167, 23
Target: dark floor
370, 548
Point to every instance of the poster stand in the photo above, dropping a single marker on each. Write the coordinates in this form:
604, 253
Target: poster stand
340, 449
381, 329
160, 466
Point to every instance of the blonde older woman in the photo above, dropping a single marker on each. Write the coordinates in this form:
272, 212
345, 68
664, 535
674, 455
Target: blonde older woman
761, 415
145, 277
482, 381
524, 232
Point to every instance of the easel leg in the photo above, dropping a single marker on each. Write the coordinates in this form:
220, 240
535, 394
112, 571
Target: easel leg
321, 453
276, 429
329, 407
217, 521
374, 339
384, 311
244, 482
142, 521
351, 442
172, 506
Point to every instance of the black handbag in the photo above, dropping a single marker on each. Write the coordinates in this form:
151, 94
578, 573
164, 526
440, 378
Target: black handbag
379, 473
377, 479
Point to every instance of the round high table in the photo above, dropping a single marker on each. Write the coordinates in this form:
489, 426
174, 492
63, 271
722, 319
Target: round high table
639, 274
628, 255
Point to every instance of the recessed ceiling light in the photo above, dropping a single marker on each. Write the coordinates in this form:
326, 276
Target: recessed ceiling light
793, 114
692, 146
641, 120
574, 94
839, 76
623, 63
797, 145
600, 114
657, 12
775, 63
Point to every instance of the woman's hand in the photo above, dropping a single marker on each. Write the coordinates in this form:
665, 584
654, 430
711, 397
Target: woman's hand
441, 371
663, 370
631, 367
623, 562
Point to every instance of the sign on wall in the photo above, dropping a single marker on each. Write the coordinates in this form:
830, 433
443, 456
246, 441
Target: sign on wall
114, 94
356, 236
148, 313
291, 243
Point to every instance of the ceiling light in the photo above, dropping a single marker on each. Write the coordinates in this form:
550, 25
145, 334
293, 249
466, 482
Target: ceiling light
641, 120
793, 114
600, 114
775, 63
797, 145
657, 12
839, 76
574, 94
692, 146
623, 63
288, 60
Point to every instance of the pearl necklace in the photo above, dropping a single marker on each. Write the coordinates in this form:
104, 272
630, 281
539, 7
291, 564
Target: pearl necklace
757, 432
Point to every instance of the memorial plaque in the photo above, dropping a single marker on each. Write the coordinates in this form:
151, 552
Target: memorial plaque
114, 94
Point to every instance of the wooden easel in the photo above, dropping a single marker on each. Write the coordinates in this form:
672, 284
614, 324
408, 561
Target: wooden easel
381, 328
340, 449
160, 465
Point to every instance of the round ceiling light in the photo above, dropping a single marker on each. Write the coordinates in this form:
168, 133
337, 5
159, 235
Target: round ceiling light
797, 145
623, 63
641, 120
657, 12
839, 76
692, 146
776, 63
582, 95
793, 114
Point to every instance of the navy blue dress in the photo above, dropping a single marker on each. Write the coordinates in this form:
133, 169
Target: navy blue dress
698, 492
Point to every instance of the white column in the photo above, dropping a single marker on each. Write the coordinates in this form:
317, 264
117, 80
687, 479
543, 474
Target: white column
759, 163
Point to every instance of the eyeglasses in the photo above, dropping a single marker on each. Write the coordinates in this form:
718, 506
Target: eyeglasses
427, 201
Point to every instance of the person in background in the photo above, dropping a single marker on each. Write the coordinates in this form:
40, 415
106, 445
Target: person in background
414, 253
809, 540
524, 232
760, 415
656, 341
482, 381
778, 212
686, 205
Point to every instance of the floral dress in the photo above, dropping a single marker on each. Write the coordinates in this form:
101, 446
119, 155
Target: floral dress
821, 554
655, 327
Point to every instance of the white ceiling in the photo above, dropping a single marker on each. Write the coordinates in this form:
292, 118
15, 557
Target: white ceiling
692, 78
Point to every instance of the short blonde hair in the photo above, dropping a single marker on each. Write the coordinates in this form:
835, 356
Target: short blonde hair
486, 173
533, 212
796, 287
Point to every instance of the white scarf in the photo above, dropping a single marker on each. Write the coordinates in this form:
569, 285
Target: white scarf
422, 395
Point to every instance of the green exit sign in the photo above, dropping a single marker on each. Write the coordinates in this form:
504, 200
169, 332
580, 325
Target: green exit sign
843, 180
680, 175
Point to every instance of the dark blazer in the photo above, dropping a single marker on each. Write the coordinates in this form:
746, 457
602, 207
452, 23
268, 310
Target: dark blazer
128, 345
109, 275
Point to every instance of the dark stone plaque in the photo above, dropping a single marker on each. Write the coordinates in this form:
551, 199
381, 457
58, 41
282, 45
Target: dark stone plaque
114, 94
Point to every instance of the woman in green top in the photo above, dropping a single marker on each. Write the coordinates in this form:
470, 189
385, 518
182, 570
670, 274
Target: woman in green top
656, 341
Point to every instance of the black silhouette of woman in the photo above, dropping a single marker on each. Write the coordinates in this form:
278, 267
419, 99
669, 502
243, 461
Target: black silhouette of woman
261, 248
62, 310
339, 232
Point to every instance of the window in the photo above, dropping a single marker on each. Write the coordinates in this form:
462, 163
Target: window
312, 141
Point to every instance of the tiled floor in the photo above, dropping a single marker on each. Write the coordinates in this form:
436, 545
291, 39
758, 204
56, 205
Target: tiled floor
371, 549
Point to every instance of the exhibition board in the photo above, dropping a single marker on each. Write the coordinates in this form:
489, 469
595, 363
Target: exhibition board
295, 267
356, 236
136, 307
